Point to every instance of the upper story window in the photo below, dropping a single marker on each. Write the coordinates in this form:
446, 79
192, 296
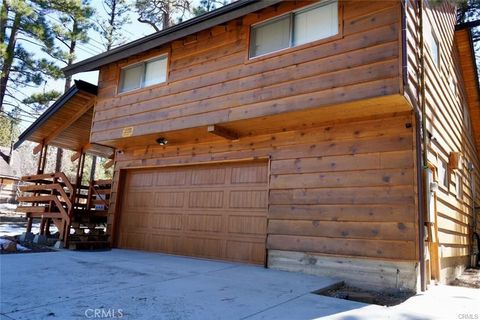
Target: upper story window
313, 23
432, 42
143, 74
442, 174
466, 119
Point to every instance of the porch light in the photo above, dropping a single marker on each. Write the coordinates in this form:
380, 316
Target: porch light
162, 141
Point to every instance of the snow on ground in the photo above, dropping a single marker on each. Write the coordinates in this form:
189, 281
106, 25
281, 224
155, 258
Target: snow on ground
14, 229
5, 242
8, 207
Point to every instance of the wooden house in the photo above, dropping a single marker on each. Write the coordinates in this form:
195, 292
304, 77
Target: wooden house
330, 137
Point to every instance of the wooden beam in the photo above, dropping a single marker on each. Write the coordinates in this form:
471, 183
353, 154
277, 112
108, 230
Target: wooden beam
108, 164
37, 148
222, 132
75, 156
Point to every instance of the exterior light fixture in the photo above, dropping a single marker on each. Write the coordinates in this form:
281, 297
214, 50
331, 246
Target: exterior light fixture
162, 141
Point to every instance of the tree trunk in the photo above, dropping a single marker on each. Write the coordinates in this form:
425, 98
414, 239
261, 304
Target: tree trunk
8, 60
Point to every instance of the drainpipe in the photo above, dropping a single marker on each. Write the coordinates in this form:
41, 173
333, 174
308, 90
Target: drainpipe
423, 103
473, 251
420, 127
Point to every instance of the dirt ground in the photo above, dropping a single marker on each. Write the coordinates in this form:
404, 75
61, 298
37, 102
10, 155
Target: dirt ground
470, 278
366, 296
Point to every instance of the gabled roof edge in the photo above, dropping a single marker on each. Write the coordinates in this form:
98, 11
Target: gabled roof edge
79, 86
202, 22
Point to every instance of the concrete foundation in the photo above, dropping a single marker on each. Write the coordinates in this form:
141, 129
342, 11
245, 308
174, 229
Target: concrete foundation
363, 273
39, 239
59, 245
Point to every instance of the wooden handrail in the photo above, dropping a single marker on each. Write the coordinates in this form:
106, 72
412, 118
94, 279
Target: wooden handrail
99, 197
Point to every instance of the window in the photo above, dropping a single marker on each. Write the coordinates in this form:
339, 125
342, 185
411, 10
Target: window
457, 185
431, 41
143, 74
466, 119
293, 29
442, 174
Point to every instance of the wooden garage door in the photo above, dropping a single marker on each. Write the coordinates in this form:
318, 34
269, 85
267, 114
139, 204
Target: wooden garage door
213, 211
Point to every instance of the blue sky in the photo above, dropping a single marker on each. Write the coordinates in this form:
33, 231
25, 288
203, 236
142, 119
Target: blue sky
132, 31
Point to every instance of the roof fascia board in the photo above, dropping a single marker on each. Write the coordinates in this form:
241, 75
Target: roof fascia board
168, 35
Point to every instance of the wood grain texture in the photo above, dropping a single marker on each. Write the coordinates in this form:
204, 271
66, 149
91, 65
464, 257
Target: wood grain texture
452, 105
211, 80
210, 211
345, 188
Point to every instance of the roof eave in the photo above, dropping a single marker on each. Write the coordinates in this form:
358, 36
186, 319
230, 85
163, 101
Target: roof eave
79, 86
208, 20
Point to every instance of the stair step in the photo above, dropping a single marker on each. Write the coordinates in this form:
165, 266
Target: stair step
31, 209
88, 245
56, 215
88, 237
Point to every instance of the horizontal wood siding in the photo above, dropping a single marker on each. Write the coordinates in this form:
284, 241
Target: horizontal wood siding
343, 189
447, 109
212, 81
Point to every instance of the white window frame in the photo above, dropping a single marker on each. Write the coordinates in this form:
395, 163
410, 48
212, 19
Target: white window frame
429, 34
291, 27
144, 69
442, 171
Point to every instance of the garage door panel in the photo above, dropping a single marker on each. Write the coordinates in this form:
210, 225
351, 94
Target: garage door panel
141, 179
247, 225
204, 223
208, 176
167, 221
203, 247
244, 251
166, 243
171, 178
211, 211
256, 173
134, 240
172, 199
205, 199
248, 199
136, 220
139, 200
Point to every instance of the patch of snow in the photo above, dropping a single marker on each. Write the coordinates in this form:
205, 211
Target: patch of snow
8, 206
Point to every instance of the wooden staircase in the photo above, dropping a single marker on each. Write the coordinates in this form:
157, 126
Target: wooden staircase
80, 218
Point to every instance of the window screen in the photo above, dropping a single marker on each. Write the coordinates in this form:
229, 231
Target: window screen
315, 24
432, 42
144, 74
310, 24
271, 36
156, 71
131, 78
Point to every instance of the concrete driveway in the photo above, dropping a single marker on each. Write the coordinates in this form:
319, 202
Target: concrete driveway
139, 285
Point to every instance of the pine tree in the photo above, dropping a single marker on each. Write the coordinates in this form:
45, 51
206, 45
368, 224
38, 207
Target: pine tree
159, 14
207, 6
21, 22
111, 28
69, 29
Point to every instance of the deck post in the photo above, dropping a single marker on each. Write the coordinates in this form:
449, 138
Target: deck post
29, 224
42, 159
